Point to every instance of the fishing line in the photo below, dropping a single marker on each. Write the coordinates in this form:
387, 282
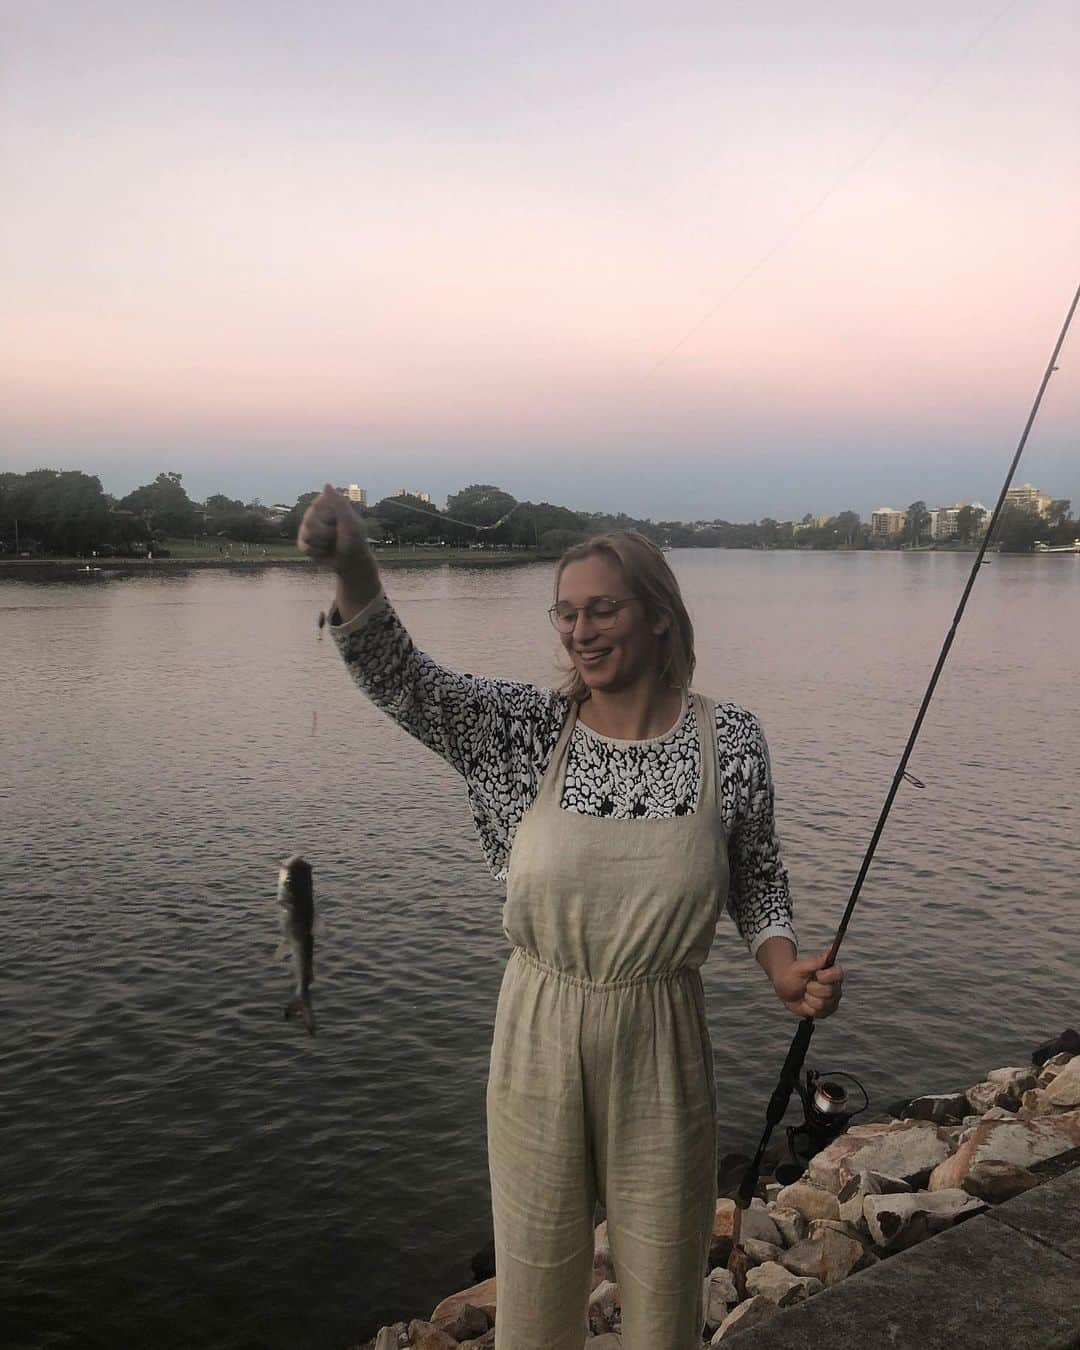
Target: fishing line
857, 163
792, 1066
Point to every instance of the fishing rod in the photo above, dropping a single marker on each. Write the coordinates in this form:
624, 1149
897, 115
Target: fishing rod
450, 520
792, 1066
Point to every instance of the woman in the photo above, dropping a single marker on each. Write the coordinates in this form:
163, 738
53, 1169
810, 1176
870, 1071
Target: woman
625, 813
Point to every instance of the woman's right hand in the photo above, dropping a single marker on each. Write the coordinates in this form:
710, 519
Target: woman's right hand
333, 535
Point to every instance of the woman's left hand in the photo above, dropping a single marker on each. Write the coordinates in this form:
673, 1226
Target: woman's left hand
807, 989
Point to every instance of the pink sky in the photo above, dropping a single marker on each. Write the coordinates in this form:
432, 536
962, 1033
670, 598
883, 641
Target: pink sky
265, 244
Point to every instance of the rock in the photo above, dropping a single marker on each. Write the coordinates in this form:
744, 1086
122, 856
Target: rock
1034, 1103
391, 1337
485, 1342
994, 1181
1064, 1091
984, 1095
720, 1295
603, 1264
1002, 1112
757, 1223
792, 1224
463, 1324
608, 1341
910, 1151
947, 1108
723, 1226
1014, 1082
866, 1183
759, 1252
827, 1256
740, 1265
482, 1263
427, 1336
772, 1190
752, 1313
780, 1286
897, 1222
480, 1295
824, 1169
1022, 1142
603, 1302
813, 1202
1068, 1042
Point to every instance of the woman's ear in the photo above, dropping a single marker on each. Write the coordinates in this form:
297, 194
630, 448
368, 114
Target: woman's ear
661, 624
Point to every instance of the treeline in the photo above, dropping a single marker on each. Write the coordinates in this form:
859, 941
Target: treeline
68, 512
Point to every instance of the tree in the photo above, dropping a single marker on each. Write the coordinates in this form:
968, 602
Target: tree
1017, 530
969, 523
164, 505
290, 525
63, 511
410, 520
1058, 512
482, 504
917, 524
847, 525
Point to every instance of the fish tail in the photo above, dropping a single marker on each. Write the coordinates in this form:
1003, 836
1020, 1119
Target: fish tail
301, 1003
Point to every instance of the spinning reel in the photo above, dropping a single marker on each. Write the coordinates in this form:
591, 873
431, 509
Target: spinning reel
826, 1113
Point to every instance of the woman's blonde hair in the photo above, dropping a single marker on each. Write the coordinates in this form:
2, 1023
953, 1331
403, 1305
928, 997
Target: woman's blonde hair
652, 581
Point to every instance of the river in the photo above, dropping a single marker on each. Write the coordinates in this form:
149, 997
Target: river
181, 1167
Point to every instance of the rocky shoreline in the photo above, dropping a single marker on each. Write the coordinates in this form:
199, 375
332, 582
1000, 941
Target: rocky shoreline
878, 1189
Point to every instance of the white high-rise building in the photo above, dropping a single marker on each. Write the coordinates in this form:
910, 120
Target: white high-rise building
1028, 498
356, 494
885, 522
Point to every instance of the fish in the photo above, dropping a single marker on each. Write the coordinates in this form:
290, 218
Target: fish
296, 896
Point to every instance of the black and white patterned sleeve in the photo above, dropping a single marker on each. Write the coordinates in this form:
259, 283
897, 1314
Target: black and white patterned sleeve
759, 900
498, 734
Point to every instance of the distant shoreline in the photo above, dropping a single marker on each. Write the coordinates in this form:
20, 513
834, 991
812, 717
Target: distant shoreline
452, 559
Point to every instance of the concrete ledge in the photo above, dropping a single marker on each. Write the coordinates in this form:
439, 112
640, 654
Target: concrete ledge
1009, 1278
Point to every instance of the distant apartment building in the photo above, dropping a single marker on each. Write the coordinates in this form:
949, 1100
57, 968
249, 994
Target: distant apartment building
356, 494
814, 523
885, 523
1028, 498
420, 496
944, 522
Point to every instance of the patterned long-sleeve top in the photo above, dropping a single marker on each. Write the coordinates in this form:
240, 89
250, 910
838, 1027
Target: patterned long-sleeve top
499, 735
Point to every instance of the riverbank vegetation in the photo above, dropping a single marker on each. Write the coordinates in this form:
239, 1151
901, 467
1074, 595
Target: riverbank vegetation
51, 512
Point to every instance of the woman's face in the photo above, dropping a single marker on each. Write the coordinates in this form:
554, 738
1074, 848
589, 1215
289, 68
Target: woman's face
612, 658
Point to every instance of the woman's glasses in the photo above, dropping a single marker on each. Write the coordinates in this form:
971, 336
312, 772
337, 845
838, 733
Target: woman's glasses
602, 612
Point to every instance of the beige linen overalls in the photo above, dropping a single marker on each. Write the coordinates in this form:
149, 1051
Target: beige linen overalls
601, 1080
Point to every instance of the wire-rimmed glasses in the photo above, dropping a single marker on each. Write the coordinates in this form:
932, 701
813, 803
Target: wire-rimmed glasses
602, 611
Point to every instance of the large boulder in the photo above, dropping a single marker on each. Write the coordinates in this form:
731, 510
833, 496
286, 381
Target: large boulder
390, 1337
791, 1222
464, 1323
1023, 1142
780, 1286
722, 1233
720, 1296
908, 1151
426, 1336
824, 1168
813, 1202
984, 1095
603, 1263
1064, 1090
1014, 1082
896, 1222
945, 1108
858, 1188
484, 1342
480, 1295
757, 1223
1068, 1042
603, 1307
994, 1181
827, 1255
752, 1313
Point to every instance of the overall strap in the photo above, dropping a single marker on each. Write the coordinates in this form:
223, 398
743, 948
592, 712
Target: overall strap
705, 712
552, 781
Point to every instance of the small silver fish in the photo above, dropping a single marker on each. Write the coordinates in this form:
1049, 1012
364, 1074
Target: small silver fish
297, 900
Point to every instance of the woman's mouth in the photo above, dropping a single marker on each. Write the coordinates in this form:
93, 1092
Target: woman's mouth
592, 657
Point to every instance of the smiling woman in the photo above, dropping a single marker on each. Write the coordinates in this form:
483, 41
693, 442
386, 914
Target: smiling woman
625, 813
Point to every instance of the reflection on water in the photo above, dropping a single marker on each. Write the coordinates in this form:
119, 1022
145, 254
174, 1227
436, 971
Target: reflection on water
183, 1167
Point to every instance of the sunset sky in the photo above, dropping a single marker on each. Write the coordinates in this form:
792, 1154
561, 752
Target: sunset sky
686, 260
